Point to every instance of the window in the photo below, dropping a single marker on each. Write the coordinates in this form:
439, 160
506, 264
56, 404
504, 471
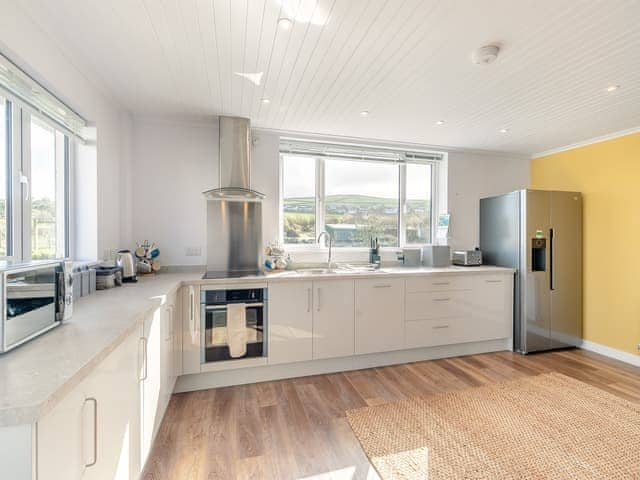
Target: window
357, 195
49, 150
5, 161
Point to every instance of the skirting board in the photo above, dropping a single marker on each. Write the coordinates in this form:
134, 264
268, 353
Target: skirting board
614, 353
225, 378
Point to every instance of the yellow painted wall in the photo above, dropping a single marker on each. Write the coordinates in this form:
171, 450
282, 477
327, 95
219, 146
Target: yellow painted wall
608, 175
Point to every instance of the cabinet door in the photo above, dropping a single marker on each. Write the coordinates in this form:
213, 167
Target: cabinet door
61, 452
150, 382
114, 402
492, 307
290, 322
190, 330
333, 318
379, 315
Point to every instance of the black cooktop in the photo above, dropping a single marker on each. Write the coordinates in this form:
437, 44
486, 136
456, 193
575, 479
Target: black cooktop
213, 274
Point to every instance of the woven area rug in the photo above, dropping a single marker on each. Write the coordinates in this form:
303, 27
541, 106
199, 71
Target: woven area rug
543, 427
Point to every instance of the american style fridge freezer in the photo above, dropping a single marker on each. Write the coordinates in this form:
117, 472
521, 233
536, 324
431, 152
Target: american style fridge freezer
539, 234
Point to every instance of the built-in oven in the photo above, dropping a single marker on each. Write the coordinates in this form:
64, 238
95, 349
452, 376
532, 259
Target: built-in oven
34, 297
216, 336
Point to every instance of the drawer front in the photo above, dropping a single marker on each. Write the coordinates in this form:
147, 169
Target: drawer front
449, 331
439, 283
432, 305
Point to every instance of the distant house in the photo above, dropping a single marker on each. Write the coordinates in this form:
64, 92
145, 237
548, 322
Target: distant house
391, 210
343, 232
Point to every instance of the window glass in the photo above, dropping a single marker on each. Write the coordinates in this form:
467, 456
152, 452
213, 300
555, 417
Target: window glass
417, 217
361, 202
48, 152
299, 199
4, 168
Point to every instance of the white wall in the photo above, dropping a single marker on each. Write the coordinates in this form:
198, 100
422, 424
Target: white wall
26, 44
175, 160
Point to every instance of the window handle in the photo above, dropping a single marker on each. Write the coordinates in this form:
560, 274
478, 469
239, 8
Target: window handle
24, 180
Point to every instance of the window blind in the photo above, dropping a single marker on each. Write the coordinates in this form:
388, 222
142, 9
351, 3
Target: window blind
356, 152
14, 82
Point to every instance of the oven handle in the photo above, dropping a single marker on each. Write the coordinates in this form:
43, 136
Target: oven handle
224, 307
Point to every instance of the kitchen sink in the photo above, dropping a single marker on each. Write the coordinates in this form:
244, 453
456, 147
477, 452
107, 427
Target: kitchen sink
345, 269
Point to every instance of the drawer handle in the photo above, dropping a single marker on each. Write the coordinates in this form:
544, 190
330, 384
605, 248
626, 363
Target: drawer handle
493, 281
439, 327
441, 283
382, 286
441, 299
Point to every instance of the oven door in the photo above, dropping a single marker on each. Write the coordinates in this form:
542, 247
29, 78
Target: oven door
30, 304
215, 346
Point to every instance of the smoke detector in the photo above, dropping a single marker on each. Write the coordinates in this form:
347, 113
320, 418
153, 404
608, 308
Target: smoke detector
485, 55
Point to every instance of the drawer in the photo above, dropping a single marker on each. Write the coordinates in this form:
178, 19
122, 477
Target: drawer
431, 305
449, 331
439, 283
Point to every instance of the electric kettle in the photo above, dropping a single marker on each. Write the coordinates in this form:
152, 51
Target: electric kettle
124, 259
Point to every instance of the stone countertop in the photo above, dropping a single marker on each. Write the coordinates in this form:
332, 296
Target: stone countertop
36, 375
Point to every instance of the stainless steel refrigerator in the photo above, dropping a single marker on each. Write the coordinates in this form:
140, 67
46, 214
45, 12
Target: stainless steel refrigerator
539, 234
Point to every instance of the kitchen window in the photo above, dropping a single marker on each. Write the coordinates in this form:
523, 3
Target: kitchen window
356, 194
34, 185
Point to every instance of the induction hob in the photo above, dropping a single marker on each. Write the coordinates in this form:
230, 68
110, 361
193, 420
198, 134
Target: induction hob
220, 274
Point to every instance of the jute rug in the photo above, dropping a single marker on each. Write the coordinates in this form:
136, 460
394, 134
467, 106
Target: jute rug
543, 427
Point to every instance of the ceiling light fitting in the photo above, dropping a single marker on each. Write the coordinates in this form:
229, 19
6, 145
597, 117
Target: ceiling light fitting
440, 122
364, 113
612, 88
504, 130
485, 55
285, 23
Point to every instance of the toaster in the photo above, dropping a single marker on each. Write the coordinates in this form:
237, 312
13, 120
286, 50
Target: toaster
467, 258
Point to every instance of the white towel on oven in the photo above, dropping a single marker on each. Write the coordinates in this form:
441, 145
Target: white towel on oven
237, 329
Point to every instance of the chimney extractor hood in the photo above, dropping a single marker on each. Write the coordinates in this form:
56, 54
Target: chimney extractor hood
235, 162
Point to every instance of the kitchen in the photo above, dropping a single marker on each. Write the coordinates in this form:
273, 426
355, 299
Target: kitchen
337, 239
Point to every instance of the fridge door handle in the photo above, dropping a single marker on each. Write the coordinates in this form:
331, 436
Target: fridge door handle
552, 280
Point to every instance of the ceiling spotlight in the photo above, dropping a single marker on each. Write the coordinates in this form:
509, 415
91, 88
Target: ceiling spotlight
265, 100
440, 122
504, 130
612, 88
364, 113
285, 23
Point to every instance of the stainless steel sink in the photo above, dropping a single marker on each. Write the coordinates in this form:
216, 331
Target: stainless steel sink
316, 271
344, 269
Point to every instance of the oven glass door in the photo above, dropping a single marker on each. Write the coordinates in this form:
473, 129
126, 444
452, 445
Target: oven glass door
215, 346
30, 305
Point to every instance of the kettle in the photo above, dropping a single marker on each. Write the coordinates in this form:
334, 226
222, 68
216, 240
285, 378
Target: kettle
124, 259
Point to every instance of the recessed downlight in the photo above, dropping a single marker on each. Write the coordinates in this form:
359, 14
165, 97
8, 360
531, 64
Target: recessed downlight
265, 100
440, 122
285, 23
504, 130
364, 113
612, 88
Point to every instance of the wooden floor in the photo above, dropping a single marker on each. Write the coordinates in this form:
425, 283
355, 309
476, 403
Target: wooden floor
295, 429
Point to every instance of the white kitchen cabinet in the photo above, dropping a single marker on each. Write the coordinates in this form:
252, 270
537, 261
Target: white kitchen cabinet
290, 322
114, 402
493, 306
92, 433
190, 329
379, 315
333, 318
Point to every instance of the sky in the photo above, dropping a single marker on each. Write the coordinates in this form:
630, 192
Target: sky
43, 164
354, 177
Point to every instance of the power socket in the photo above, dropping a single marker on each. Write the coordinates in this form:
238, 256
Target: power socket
193, 251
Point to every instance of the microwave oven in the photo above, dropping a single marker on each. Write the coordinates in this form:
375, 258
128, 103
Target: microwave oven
35, 297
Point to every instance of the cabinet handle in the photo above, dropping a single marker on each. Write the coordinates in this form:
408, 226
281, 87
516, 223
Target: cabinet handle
441, 283
192, 311
318, 299
382, 286
439, 327
308, 300
95, 431
143, 341
493, 281
441, 299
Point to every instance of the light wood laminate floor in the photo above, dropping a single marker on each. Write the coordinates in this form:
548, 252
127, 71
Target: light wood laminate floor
296, 429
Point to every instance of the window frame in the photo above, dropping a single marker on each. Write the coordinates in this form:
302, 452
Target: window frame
19, 180
437, 206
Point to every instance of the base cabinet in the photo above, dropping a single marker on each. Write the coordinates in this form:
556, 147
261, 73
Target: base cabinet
333, 319
290, 322
379, 318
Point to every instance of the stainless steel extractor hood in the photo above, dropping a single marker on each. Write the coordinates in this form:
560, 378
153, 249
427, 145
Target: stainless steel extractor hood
234, 162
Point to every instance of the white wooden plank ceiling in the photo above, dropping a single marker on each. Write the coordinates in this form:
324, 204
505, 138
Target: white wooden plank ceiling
406, 62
